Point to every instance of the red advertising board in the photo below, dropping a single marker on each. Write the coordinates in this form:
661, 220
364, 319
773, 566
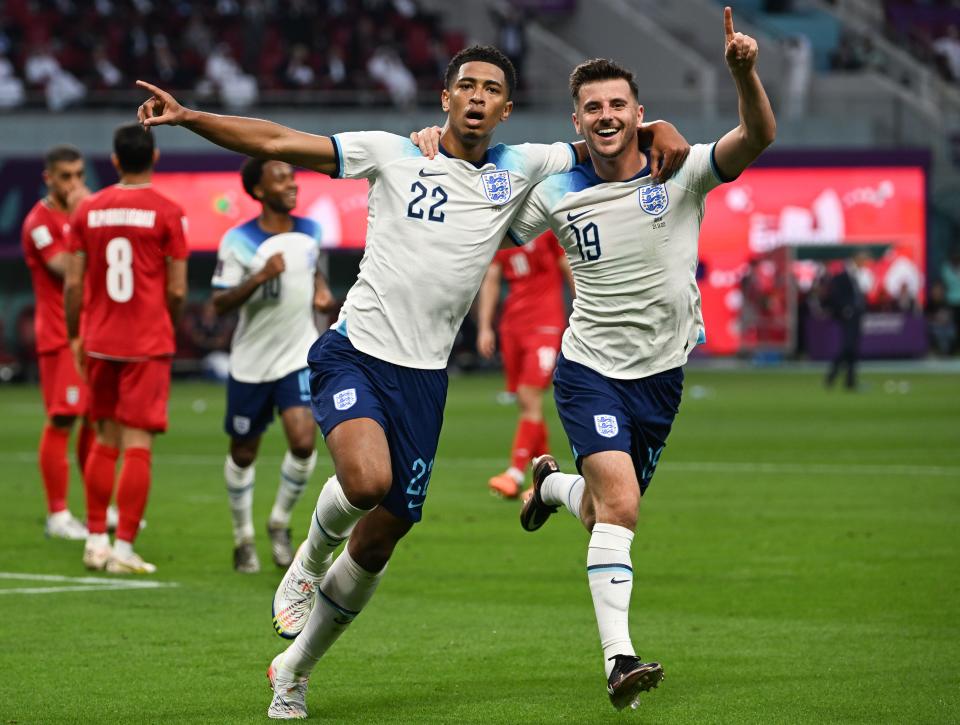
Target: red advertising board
770, 207
214, 201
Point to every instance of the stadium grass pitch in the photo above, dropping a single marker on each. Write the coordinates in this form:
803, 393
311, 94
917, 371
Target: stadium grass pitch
797, 561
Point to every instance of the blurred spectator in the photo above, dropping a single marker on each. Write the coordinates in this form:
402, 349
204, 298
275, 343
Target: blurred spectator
236, 89
950, 275
11, 87
298, 72
948, 48
108, 75
798, 54
60, 87
386, 67
207, 336
512, 35
847, 303
941, 324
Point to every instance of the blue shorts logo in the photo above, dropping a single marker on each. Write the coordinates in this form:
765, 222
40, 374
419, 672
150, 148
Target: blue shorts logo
606, 425
241, 424
496, 186
653, 199
345, 399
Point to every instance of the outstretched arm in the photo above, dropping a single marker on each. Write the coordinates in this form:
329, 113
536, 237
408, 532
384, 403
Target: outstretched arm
249, 136
758, 128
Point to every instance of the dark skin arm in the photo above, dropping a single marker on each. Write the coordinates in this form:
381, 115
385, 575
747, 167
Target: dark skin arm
227, 300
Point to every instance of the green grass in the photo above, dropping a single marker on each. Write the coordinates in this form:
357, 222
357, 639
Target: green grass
797, 561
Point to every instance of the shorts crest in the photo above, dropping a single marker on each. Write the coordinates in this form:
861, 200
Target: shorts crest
345, 399
606, 425
654, 199
241, 424
496, 186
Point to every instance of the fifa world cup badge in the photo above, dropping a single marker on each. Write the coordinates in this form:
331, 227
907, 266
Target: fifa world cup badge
653, 199
496, 186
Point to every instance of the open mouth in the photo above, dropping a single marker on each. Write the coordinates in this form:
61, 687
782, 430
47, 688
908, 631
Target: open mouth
607, 132
476, 116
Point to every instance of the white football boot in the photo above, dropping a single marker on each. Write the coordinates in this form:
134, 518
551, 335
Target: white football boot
63, 525
289, 693
132, 564
96, 552
294, 599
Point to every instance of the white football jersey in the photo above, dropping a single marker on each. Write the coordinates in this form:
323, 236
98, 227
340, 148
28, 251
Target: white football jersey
432, 230
632, 246
276, 326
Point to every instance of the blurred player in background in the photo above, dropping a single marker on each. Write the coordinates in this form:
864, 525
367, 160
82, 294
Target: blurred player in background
128, 273
272, 270
632, 244
64, 392
378, 379
531, 326
847, 303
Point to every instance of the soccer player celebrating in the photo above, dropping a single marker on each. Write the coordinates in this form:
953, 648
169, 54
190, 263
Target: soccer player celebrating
534, 317
271, 268
632, 244
128, 272
378, 379
64, 392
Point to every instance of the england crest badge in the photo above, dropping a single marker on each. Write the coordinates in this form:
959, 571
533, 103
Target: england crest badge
606, 425
241, 425
345, 399
653, 199
496, 186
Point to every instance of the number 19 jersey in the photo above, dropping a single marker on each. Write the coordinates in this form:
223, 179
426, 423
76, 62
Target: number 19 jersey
127, 233
432, 230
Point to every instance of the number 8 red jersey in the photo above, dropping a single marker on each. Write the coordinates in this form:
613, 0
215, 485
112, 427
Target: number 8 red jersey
127, 233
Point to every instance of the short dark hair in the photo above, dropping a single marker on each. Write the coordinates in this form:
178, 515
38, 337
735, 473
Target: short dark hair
61, 152
133, 144
600, 69
484, 54
251, 173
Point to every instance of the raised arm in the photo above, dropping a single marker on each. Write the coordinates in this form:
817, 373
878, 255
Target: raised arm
486, 309
249, 136
758, 127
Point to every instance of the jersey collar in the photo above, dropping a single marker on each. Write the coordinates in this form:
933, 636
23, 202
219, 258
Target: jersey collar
476, 164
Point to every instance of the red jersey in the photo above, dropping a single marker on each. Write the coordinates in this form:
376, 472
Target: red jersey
127, 233
44, 237
535, 300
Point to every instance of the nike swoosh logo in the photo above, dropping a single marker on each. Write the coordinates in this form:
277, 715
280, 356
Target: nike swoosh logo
412, 505
571, 217
425, 174
614, 580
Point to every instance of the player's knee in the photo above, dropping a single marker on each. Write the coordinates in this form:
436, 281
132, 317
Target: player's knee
302, 449
242, 456
365, 482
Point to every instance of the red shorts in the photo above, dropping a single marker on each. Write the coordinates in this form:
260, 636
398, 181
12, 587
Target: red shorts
529, 359
64, 392
133, 393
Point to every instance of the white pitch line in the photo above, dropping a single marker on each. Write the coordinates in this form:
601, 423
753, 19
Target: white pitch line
720, 467
76, 584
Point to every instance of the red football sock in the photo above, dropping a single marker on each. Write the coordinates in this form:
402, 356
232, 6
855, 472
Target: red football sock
98, 481
132, 491
54, 469
524, 443
85, 439
543, 440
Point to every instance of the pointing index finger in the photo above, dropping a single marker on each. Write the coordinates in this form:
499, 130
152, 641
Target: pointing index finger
728, 23
150, 87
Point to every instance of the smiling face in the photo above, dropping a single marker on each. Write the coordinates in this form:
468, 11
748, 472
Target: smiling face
476, 100
278, 187
607, 116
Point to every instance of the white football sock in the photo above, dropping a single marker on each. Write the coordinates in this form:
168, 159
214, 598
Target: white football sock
345, 591
563, 489
122, 549
97, 541
294, 474
333, 520
610, 574
516, 474
240, 491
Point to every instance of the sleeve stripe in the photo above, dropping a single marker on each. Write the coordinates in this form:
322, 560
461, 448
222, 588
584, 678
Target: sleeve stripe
337, 158
573, 154
514, 238
716, 169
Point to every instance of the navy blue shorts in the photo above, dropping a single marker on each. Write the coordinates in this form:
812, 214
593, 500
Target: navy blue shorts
250, 406
407, 403
604, 414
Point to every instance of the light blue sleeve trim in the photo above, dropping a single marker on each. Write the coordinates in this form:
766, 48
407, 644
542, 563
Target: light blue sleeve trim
217, 285
511, 235
338, 153
701, 336
573, 154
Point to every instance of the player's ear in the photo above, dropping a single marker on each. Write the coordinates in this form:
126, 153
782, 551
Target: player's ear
116, 162
507, 108
576, 123
639, 114
156, 155
445, 100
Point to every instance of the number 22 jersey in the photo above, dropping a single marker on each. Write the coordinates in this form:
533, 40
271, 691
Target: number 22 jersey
127, 233
432, 229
